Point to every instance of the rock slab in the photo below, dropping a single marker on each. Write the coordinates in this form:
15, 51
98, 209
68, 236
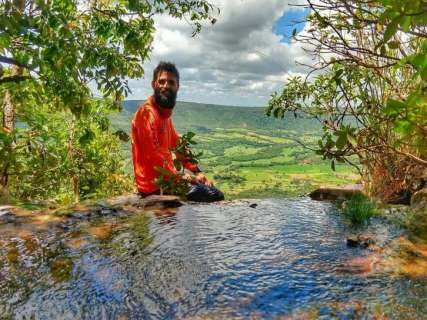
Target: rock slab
162, 201
6, 215
338, 193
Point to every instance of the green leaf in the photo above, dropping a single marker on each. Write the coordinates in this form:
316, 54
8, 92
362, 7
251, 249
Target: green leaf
420, 60
403, 127
394, 107
123, 136
4, 41
391, 29
424, 74
393, 44
189, 135
87, 136
342, 140
406, 23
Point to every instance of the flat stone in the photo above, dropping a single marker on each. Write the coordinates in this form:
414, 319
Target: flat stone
6, 215
132, 199
336, 193
166, 201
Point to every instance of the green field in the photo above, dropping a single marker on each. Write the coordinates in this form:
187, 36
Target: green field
249, 155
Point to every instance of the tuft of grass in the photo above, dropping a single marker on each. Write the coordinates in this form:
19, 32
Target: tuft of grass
359, 209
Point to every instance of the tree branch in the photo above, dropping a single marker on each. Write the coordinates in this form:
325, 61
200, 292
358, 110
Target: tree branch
15, 79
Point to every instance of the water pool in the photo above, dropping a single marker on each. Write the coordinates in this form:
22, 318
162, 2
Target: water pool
283, 259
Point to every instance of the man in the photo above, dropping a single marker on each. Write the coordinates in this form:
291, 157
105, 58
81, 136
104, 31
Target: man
153, 136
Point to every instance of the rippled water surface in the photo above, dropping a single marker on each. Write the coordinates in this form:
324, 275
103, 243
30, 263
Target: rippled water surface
284, 258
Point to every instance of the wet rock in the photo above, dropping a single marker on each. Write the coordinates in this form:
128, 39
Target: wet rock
342, 193
131, 199
253, 205
65, 226
419, 199
78, 215
162, 201
6, 215
360, 241
359, 265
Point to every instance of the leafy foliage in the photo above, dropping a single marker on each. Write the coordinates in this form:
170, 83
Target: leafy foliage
50, 51
177, 183
53, 148
65, 44
367, 87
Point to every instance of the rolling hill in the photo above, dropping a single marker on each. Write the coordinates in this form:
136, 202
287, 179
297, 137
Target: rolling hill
205, 117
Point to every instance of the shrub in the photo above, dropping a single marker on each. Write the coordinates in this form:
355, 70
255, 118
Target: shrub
359, 209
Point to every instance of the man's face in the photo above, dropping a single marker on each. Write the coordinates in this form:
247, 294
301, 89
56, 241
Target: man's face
165, 89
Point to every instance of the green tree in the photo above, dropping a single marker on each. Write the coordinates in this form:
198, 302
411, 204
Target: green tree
367, 88
50, 52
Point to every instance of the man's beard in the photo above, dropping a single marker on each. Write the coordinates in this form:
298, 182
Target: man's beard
167, 100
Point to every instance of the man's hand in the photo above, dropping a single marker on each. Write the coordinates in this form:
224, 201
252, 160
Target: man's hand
187, 177
201, 178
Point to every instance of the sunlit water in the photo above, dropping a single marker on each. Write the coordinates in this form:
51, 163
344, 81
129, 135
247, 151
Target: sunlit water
282, 259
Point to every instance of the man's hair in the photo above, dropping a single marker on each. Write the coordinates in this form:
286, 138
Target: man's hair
168, 67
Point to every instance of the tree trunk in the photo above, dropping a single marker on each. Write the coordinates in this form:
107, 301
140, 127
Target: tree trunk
9, 110
9, 119
75, 178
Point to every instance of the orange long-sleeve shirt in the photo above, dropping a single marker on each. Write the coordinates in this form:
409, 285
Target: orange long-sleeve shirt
153, 136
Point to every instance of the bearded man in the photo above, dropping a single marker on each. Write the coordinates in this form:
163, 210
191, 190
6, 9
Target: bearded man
154, 136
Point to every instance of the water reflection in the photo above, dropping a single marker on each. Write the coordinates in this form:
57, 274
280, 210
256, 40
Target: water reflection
286, 259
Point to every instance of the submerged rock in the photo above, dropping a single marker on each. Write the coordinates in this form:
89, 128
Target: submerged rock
343, 193
360, 265
360, 241
6, 215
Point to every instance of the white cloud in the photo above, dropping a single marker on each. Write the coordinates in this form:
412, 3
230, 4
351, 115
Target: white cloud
237, 61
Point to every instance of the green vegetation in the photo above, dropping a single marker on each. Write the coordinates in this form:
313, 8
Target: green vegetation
177, 182
359, 209
55, 139
370, 97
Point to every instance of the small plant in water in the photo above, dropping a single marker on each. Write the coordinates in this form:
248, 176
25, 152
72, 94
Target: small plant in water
359, 209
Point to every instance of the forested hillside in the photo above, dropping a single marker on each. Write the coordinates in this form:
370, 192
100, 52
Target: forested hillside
204, 117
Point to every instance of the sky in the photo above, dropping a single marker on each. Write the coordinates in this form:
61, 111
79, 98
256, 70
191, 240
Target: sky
240, 60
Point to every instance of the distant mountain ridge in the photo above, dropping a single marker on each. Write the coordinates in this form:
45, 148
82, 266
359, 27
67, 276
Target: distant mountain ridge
204, 117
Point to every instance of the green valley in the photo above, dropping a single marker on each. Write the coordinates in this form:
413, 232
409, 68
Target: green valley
248, 154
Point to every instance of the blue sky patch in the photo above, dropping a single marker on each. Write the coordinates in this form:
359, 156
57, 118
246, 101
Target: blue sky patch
290, 20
